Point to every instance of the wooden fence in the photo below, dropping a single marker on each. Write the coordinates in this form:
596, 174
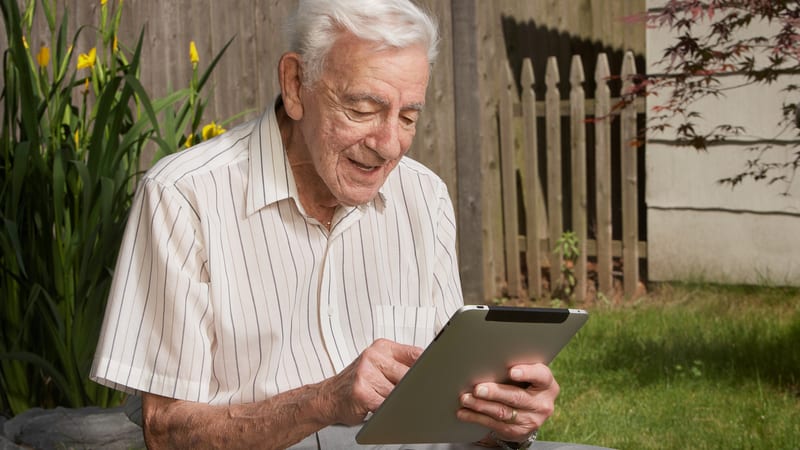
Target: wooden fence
515, 225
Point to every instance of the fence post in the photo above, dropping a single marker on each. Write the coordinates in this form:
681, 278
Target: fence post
554, 192
534, 209
577, 101
602, 155
629, 148
509, 175
468, 162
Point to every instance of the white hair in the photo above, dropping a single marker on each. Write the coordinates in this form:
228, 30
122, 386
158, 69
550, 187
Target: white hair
316, 24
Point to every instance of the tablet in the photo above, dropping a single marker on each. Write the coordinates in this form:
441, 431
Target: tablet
479, 343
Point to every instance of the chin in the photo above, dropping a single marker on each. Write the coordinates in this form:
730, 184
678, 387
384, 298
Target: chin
356, 199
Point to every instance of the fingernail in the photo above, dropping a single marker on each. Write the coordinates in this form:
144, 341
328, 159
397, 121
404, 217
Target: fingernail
465, 399
482, 391
516, 374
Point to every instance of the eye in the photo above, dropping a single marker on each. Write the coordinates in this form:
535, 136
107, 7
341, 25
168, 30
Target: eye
409, 120
359, 115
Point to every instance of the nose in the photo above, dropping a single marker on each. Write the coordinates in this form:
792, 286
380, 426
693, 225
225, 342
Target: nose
386, 139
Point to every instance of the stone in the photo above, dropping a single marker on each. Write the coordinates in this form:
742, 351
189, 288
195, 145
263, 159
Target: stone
133, 409
5, 444
83, 428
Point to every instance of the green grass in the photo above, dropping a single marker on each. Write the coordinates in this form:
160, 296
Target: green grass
687, 367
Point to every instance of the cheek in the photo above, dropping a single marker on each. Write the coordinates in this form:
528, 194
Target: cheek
406, 138
330, 140
390, 167
339, 135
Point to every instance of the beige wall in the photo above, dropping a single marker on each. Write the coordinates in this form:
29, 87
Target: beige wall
701, 230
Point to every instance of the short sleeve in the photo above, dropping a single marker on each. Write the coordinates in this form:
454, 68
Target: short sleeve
157, 335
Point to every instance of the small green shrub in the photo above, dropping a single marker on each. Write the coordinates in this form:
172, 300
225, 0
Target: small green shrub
567, 245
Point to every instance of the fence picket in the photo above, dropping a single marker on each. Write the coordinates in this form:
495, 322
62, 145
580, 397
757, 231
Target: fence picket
602, 155
509, 176
554, 191
578, 147
629, 148
535, 215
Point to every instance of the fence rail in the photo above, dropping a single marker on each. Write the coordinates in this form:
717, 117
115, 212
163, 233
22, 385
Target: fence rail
518, 268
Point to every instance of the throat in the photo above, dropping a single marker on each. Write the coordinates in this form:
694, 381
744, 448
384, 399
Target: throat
322, 214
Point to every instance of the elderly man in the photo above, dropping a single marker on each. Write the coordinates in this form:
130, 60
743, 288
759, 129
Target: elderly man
256, 294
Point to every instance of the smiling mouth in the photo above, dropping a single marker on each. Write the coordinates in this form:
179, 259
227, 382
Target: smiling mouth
363, 167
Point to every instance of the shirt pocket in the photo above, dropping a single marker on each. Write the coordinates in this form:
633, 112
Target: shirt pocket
411, 325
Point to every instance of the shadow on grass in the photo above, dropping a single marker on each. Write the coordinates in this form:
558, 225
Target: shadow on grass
679, 348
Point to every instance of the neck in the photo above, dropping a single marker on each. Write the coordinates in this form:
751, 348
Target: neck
316, 198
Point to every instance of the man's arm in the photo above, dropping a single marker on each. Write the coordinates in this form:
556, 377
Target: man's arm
274, 423
284, 419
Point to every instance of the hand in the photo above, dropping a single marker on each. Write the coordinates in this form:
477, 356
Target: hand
363, 385
493, 405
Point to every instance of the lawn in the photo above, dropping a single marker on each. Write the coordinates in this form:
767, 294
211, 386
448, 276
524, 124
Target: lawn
686, 367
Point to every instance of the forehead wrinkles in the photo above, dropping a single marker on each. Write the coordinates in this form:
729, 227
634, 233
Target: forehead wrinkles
355, 72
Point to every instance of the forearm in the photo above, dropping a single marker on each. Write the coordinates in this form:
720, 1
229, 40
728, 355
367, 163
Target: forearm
277, 422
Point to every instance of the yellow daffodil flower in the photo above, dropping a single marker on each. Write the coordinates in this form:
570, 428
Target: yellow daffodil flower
87, 60
43, 57
115, 44
103, 2
189, 141
211, 130
193, 56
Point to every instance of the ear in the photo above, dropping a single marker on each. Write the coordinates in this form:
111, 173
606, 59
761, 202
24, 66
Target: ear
290, 75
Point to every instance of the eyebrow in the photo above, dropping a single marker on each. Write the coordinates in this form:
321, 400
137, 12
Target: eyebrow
355, 98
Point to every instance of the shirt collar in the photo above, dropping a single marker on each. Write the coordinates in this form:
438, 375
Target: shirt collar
270, 178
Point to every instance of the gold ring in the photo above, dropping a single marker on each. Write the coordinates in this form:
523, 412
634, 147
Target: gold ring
513, 417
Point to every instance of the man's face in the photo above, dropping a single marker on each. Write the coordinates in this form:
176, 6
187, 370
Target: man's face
360, 117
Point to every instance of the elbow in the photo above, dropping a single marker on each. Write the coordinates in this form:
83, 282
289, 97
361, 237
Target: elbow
154, 424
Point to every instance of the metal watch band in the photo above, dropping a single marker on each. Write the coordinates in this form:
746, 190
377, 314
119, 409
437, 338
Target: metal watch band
526, 444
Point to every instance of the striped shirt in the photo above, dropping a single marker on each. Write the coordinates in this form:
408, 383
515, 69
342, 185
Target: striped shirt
226, 291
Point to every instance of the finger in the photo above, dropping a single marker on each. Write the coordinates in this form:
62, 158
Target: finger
381, 387
537, 376
405, 354
498, 412
518, 430
534, 403
508, 423
391, 359
392, 370
536, 380
505, 395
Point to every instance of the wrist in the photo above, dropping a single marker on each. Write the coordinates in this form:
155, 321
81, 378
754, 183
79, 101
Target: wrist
511, 445
321, 401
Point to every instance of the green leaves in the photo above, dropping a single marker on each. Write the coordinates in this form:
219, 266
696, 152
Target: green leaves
71, 148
